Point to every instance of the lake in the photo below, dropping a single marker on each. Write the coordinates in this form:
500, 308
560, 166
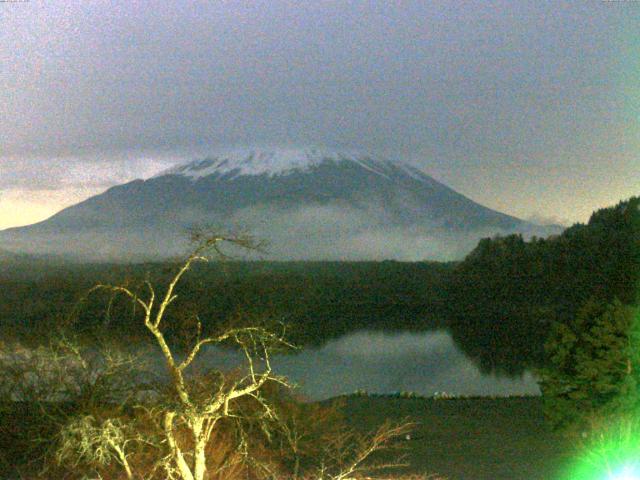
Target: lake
425, 363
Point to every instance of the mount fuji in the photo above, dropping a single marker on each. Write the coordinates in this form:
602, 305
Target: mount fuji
307, 203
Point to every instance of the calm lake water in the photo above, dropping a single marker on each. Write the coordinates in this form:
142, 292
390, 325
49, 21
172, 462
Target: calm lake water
378, 362
424, 363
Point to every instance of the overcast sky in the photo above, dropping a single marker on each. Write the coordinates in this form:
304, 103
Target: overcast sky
529, 107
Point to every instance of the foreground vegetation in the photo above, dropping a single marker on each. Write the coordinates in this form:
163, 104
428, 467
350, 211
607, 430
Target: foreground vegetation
461, 439
95, 409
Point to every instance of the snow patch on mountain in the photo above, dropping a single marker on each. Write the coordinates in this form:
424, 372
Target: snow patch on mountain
233, 163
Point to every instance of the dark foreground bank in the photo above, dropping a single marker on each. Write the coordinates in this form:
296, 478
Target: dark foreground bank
458, 439
471, 439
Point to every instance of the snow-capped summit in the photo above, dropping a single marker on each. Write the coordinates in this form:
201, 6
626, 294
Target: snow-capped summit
309, 203
236, 162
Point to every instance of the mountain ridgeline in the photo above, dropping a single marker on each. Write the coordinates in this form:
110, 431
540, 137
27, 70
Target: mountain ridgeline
310, 204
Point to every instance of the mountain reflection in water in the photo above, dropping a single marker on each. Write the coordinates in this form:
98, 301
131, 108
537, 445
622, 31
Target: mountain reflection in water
383, 362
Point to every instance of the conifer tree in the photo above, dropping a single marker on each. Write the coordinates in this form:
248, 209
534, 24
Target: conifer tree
593, 372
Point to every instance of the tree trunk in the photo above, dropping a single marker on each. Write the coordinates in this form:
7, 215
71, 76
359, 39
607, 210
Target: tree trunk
200, 464
123, 460
200, 443
181, 463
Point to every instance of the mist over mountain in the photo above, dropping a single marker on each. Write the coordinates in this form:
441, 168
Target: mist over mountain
308, 203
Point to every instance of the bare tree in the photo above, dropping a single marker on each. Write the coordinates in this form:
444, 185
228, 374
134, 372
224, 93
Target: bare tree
191, 408
87, 440
54, 385
340, 454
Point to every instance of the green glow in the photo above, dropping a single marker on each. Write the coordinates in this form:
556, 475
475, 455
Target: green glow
628, 472
613, 450
612, 455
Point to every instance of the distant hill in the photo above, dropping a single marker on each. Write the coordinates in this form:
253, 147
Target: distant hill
309, 203
26, 260
8, 256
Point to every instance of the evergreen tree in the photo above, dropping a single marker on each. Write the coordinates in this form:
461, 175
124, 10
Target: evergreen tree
593, 372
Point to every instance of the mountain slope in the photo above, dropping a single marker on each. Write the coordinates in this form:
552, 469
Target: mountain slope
310, 203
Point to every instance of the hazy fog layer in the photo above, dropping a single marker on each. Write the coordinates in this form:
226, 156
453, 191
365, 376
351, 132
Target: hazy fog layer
332, 231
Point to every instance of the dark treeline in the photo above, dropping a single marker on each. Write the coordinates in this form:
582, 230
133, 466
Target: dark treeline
316, 300
499, 302
506, 294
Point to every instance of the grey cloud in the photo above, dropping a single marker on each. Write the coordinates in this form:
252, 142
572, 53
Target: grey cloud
548, 220
89, 172
471, 90
148, 74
